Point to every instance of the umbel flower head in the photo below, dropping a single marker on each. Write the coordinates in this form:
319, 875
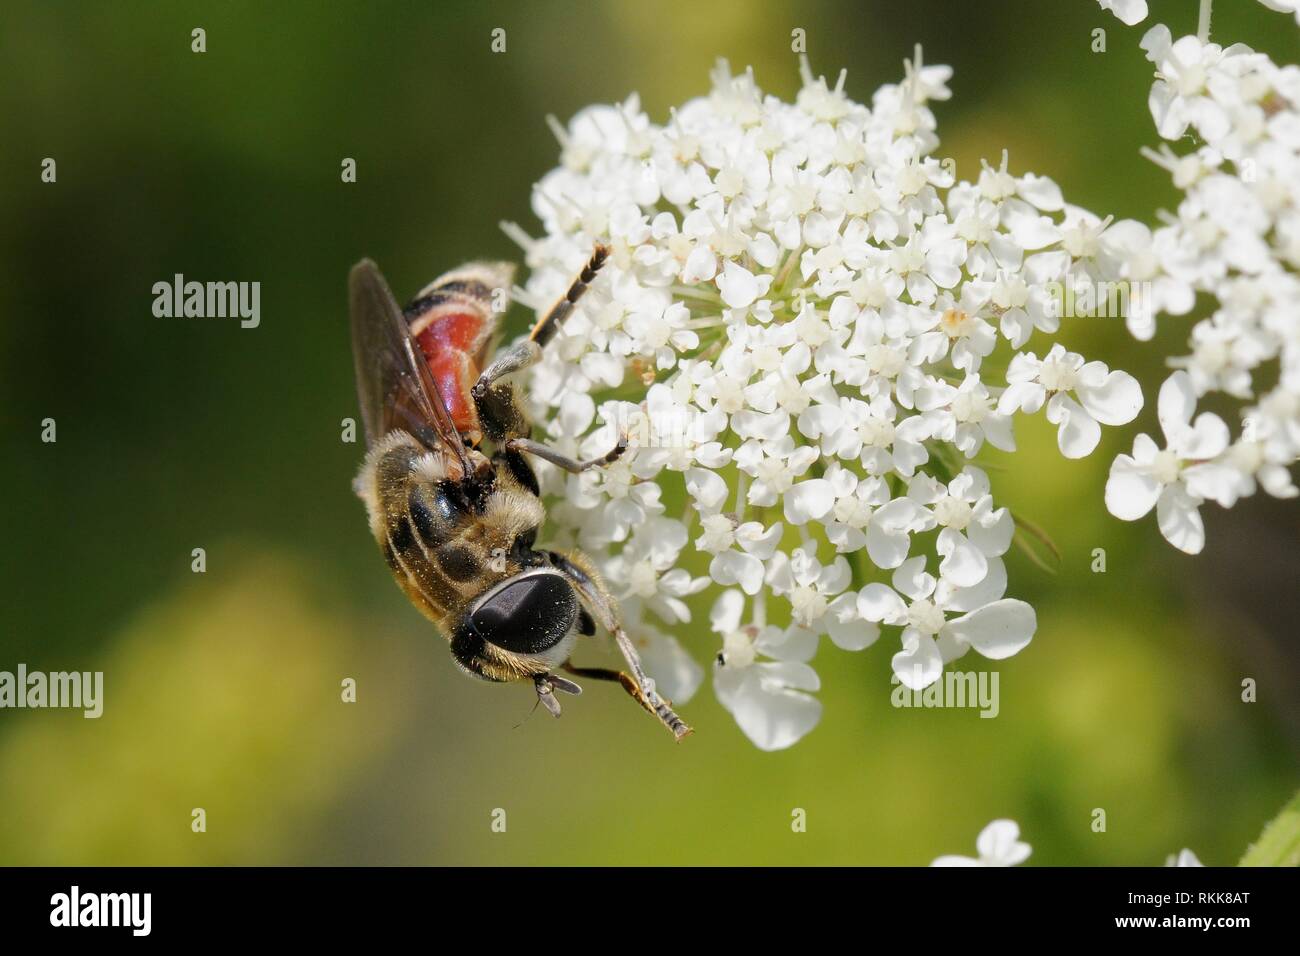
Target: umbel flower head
807, 327
1235, 240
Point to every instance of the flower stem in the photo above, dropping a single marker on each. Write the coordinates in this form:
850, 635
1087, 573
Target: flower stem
1279, 844
1203, 23
695, 292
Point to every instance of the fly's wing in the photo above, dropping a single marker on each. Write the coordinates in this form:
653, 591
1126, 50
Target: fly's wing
393, 380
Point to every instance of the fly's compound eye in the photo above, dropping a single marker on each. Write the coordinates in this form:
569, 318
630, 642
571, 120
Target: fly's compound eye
527, 614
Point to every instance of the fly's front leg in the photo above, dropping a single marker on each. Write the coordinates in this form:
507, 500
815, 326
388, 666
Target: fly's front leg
571, 465
518, 357
654, 704
527, 353
638, 684
630, 685
546, 685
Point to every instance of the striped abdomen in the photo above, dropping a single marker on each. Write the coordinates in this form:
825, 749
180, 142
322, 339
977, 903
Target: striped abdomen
453, 320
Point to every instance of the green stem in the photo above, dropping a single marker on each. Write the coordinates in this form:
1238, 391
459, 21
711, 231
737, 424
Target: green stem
1203, 22
1279, 844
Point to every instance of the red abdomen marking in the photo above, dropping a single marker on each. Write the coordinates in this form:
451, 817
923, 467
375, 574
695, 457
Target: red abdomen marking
448, 342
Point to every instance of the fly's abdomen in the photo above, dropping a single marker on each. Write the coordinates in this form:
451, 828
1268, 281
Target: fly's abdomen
454, 373
453, 320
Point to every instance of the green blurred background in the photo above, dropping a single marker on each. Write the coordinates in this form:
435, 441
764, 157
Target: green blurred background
222, 689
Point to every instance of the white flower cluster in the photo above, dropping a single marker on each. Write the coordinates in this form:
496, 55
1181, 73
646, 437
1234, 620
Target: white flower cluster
1236, 239
807, 327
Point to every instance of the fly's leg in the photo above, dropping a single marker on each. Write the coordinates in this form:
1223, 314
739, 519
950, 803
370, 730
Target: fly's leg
595, 596
550, 323
498, 407
546, 686
659, 706
528, 352
514, 359
571, 465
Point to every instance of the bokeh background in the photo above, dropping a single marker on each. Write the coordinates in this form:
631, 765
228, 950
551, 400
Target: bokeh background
223, 688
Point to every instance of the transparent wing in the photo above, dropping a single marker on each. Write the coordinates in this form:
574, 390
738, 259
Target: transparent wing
393, 381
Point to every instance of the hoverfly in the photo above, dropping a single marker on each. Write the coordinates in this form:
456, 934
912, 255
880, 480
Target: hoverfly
451, 497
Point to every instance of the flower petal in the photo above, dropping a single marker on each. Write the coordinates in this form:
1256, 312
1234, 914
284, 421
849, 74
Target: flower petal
768, 703
999, 844
1130, 491
1079, 432
919, 664
964, 564
707, 488
808, 501
1180, 520
1208, 437
1176, 403
733, 567
879, 602
847, 630
739, 286
997, 630
727, 609
1116, 401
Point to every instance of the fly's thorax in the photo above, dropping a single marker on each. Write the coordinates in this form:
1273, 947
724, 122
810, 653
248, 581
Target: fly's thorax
447, 542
